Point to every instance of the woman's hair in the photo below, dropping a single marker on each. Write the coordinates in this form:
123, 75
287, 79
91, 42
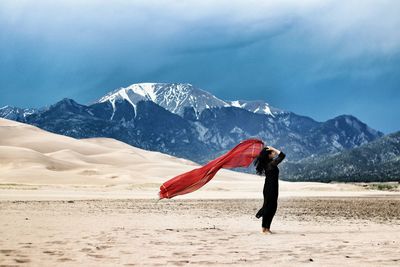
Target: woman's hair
262, 160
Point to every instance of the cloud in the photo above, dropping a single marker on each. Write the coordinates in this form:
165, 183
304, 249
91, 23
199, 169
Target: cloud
350, 27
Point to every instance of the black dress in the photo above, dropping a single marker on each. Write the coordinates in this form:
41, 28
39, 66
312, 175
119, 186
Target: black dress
270, 192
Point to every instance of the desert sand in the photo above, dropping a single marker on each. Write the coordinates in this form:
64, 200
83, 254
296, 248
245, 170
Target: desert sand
93, 202
220, 232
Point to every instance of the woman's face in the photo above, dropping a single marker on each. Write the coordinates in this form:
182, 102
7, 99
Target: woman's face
272, 155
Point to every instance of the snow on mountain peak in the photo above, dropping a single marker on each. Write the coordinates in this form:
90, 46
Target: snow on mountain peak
144, 89
133, 94
237, 104
175, 97
14, 113
256, 106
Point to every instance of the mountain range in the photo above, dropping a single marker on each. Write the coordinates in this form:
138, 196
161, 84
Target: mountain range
188, 122
378, 160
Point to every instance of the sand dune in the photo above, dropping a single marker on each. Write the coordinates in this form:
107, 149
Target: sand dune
28, 152
30, 156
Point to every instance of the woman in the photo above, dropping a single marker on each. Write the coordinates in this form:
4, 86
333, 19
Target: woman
267, 163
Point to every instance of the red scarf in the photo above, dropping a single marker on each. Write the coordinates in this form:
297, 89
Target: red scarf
240, 156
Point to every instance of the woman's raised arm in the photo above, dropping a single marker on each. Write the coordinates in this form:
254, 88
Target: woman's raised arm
280, 157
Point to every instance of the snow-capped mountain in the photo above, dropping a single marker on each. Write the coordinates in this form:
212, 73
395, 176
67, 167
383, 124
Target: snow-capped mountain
181, 99
174, 97
184, 121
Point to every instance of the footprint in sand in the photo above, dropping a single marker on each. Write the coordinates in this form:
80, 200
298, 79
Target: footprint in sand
179, 254
64, 259
7, 252
156, 257
26, 245
57, 242
53, 252
179, 263
98, 256
125, 252
157, 242
102, 247
22, 260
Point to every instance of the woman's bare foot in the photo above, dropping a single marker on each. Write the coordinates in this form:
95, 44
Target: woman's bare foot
266, 231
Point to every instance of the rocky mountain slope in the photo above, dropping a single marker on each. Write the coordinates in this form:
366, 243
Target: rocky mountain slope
375, 161
184, 121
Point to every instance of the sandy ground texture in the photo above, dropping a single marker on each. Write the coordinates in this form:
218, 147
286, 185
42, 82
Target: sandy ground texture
342, 231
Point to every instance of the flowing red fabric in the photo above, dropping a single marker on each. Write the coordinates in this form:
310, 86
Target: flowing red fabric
242, 155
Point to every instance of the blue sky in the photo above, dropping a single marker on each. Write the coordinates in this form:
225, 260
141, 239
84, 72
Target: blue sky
315, 58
